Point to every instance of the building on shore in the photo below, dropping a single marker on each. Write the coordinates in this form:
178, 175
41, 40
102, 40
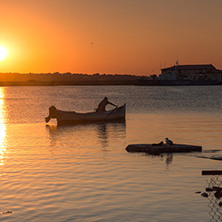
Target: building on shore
180, 75
191, 72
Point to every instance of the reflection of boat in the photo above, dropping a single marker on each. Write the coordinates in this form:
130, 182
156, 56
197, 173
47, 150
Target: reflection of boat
103, 133
71, 117
111, 131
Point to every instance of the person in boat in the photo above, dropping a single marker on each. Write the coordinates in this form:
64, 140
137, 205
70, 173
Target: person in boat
102, 105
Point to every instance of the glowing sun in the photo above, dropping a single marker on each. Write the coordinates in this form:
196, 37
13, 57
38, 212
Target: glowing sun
3, 53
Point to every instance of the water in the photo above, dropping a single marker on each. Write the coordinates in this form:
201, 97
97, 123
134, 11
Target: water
83, 172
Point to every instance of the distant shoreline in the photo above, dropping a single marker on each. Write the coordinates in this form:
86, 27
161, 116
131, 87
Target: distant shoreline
65, 79
68, 79
80, 83
67, 83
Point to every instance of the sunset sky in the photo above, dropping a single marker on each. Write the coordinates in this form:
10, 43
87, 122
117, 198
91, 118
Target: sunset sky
116, 36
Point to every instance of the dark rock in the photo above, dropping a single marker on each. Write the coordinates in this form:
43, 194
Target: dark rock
217, 188
218, 194
209, 189
204, 195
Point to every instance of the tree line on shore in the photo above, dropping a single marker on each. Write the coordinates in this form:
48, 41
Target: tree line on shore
68, 78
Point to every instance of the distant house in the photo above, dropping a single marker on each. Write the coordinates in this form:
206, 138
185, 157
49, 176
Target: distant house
192, 72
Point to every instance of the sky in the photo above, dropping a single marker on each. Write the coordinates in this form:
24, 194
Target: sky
137, 37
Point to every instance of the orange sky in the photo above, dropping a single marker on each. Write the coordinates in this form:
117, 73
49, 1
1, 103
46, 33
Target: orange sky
101, 36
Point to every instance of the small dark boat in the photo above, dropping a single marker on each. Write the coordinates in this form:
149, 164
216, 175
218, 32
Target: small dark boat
164, 148
71, 117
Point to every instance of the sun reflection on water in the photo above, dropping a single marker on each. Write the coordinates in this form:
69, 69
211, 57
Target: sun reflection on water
2, 126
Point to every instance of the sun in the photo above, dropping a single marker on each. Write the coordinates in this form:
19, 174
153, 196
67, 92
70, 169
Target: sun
3, 53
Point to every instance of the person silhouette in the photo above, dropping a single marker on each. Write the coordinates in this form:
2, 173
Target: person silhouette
102, 105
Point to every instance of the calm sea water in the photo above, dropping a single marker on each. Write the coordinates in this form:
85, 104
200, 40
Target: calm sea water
83, 172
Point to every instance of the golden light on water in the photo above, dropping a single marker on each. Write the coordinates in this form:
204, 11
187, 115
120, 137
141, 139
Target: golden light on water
2, 144
2, 127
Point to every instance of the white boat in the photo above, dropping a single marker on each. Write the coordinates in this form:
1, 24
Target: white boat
71, 117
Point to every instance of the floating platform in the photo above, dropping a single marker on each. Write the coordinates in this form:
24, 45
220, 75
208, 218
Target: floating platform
156, 150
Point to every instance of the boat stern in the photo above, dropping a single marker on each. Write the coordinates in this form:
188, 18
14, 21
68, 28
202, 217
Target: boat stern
52, 113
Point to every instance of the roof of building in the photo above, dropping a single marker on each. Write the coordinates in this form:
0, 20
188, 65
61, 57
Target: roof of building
191, 67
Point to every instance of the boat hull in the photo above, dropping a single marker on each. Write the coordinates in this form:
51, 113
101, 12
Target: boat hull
69, 117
